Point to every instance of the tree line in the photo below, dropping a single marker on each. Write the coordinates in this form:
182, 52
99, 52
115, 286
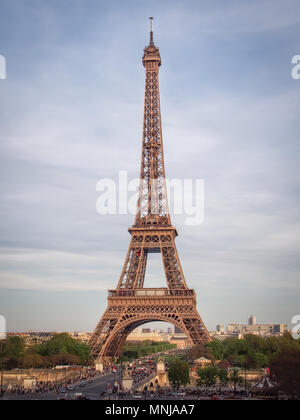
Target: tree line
136, 349
61, 349
280, 354
253, 352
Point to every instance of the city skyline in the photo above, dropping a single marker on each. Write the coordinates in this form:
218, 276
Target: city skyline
70, 115
154, 326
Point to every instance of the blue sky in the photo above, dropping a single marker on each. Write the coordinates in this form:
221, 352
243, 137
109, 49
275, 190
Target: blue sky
71, 113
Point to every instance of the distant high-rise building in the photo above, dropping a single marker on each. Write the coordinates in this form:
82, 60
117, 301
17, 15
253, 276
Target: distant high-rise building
252, 320
252, 327
169, 330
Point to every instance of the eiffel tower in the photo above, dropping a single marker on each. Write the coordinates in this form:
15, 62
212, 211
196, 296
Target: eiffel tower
130, 304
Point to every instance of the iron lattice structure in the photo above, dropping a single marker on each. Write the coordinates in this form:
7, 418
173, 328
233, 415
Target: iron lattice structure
130, 304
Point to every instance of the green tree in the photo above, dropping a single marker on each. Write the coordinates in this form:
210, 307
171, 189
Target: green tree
223, 377
208, 351
63, 344
12, 363
3, 352
195, 352
2, 358
207, 377
135, 350
217, 349
253, 352
15, 347
261, 360
255, 343
285, 368
32, 361
179, 372
235, 378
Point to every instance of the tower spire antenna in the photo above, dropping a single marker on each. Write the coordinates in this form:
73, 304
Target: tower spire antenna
151, 30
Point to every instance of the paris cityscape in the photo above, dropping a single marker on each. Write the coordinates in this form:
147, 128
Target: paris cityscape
149, 193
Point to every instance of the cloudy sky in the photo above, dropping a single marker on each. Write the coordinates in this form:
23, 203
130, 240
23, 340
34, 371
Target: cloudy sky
71, 113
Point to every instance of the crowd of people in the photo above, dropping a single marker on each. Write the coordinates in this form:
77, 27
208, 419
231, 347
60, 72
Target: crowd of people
142, 371
43, 387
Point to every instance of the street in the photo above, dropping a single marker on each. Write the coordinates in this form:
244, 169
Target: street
92, 390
